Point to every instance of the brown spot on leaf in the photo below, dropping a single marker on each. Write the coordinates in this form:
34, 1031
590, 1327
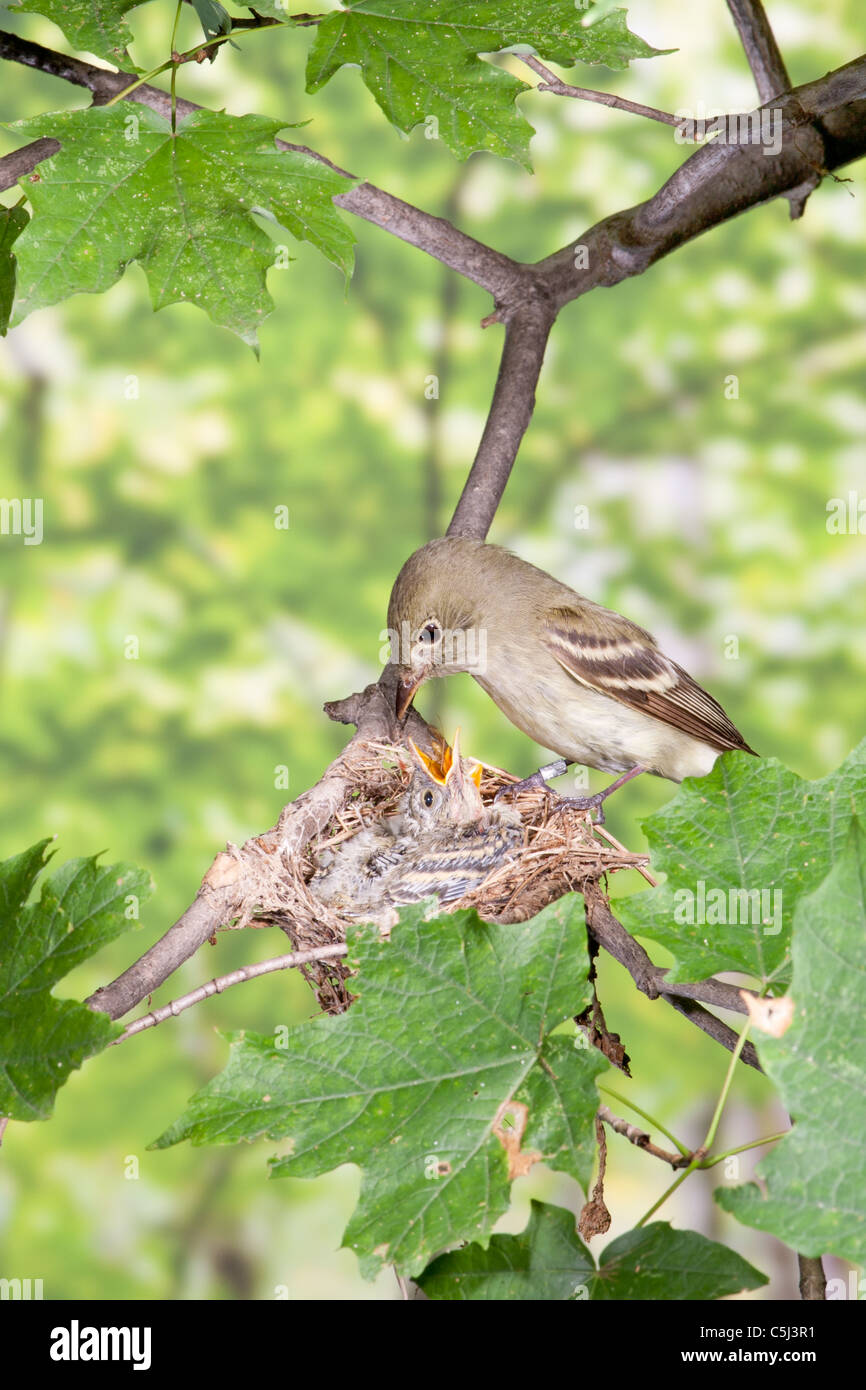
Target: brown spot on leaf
773, 1016
509, 1127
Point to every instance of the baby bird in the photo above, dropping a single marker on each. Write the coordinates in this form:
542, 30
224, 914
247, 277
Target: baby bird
442, 843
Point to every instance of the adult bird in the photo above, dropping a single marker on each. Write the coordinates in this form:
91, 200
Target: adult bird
576, 677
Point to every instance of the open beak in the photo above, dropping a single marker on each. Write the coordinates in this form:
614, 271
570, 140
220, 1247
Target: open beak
464, 787
406, 689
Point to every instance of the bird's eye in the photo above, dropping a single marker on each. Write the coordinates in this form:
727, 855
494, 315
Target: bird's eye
429, 633
428, 798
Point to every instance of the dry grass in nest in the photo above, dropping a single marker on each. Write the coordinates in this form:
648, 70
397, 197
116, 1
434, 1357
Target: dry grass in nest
560, 852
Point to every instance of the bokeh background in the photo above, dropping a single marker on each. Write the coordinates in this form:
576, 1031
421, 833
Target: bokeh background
706, 523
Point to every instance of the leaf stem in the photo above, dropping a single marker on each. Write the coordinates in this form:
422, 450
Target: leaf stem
650, 1119
741, 1148
555, 84
701, 1153
174, 67
190, 55
726, 1086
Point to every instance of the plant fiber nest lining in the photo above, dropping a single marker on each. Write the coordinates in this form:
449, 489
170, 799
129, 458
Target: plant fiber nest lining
561, 851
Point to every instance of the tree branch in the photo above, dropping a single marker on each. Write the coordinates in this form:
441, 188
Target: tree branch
649, 978
769, 71
713, 1027
640, 1138
526, 336
555, 84
821, 126
224, 982
813, 1281
494, 272
222, 892
762, 51
21, 162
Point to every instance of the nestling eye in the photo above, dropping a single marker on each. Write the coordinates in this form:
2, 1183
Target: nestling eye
429, 633
428, 798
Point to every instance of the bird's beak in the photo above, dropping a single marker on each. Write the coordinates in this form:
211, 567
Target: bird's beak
406, 689
464, 787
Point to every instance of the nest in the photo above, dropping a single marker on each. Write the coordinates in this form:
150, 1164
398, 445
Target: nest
562, 850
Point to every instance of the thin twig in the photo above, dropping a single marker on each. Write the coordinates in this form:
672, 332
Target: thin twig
493, 271
770, 74
641, 1139
224, 982
555, 84
762, 51
713, 1027
611, 839
21, 162
650, 980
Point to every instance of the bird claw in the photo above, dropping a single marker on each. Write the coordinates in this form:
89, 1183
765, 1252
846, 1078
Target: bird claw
596, 802
538, 781
581, 803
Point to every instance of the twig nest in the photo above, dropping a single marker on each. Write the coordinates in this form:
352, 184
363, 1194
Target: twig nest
551, 853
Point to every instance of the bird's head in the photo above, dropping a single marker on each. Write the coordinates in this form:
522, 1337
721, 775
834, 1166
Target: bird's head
433, 617
445, 789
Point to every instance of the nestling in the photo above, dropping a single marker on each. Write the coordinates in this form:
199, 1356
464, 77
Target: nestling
442, 843
576, 677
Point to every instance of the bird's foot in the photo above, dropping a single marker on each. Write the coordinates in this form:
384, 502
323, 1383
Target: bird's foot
596, 802
538, 780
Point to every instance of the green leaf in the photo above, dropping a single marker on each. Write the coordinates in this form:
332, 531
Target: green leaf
42, 1039
214, 19
548, 1261
125, 188
657, 1262
816, 1176
452, 1024
97, 26
278, 9
12, 224
740, 847
609, 41
419, 60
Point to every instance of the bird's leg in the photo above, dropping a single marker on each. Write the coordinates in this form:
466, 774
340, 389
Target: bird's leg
538, 779
592, 803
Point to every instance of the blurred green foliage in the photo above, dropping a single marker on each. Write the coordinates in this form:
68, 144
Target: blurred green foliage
161, 449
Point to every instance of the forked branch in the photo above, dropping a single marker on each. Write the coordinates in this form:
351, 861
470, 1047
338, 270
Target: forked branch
762, 51
820, 127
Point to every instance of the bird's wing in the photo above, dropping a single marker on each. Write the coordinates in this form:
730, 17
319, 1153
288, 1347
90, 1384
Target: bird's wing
449, 865
384, 859
617, 658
